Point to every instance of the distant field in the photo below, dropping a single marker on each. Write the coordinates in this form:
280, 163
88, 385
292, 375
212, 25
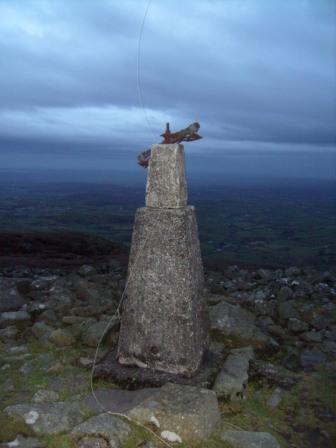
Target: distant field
274, 225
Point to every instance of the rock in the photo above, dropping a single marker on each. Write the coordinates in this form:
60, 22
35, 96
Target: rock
74, 320
331, 334
117, 400
10, 298
329, 347
312, 336
23, 442
92, 442
277, 331
48, 418
45, 359
272, 374
296, 326
9, 332
91, 334
61, 338
310, 358
14, 318
85, 362
293, 271
264, 274
232, 380
149, 445
56, 368
249, 439
285, 293
274, 399
86, 311
86, 270
105, 426
8, 386
27, 368
265, 307
291, 358
287, 311
236, 326
190, 413
214, 299
39, 329
81, 287
43, 283
260, 295
45, 396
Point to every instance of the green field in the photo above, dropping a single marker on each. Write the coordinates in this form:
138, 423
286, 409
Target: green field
269, 226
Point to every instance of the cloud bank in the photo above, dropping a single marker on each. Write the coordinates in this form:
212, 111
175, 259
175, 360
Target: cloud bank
255, 74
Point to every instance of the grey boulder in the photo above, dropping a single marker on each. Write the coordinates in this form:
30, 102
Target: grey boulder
232, 380
10, 298
235, 326
106, 426
249, 439
48, 418
180, 413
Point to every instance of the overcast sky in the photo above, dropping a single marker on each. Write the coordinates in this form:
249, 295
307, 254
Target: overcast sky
257, 74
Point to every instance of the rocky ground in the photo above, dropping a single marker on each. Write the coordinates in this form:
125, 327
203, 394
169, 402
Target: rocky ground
276, 387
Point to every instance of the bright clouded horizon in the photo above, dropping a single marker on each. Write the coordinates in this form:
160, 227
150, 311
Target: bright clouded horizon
256, 74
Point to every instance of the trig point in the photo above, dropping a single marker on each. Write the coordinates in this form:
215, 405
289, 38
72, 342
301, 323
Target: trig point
164, 323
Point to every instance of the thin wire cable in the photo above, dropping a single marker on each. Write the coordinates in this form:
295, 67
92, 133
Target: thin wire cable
117, 314
140, 95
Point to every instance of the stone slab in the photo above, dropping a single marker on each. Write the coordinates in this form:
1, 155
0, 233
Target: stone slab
180, 413
133, 377
117, 400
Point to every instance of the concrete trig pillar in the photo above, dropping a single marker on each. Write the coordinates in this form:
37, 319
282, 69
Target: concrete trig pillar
164, 323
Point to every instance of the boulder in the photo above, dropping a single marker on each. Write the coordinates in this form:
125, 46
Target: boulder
19, 318
286, 311
186, 413
10, 298
25, 442
117, 400
39, 329
48, 418
235, 326
92, 333
92, 442
62, 338
312, 336
296, 326
106, 426
231, 383
311, 358
249, 439
285, 293
274, 399
86, 270
45, 396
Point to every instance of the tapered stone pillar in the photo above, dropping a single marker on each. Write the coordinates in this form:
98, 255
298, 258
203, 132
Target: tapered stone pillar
164, 323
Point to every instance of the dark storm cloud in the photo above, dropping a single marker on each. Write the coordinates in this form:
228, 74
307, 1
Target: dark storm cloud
252, 72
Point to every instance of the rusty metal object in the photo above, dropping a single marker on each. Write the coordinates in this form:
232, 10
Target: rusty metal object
143, 158
188, 134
